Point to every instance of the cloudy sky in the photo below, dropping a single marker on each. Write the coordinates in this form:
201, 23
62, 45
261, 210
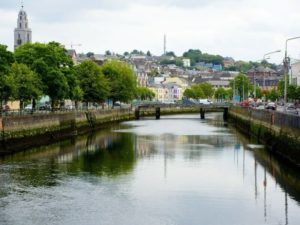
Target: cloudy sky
243, 29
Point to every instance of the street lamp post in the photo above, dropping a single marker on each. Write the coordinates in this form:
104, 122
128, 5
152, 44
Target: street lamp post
286, 69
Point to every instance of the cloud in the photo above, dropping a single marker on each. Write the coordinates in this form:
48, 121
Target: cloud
239, 28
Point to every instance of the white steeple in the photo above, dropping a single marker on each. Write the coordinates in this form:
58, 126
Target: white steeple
23, 33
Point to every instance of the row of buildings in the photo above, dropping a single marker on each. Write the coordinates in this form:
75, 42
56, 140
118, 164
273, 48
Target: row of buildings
169, 82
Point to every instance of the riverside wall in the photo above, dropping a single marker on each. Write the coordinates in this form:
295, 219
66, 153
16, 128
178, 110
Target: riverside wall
18, 132
278, 131
23, 131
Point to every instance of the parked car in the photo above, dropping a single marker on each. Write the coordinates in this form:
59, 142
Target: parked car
271, 105
291, 110
44, 107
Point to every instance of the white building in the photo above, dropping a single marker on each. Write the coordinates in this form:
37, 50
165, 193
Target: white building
295, 73
22, 33
186, 62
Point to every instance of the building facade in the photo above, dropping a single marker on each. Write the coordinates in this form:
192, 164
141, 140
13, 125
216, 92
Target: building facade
22, 33
295, 73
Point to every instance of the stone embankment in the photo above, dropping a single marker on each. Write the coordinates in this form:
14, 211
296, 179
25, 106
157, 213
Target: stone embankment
280, 132
23, 131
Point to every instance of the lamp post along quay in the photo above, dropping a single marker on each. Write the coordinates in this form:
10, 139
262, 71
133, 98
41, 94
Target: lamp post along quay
286, 62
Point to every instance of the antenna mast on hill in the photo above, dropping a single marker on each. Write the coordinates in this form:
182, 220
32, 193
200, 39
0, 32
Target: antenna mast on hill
165, 44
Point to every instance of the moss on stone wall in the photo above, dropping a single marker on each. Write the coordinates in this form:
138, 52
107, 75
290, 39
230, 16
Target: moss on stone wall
278, 140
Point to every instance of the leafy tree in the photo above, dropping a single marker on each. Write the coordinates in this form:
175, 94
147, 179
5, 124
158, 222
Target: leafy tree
207, 89
6, 84
122, 80
273, 95
27, 83
280, 87
52, 63
189, 93
172, 54
90, 54
144, 93
57, 86
258, 92
241, 85
136, 52
149, 53
167, 62
94, 85
107, 53
7, 87
195, 92
195, 55
126, 53
292, 92
221, 93
179, 62
6, 59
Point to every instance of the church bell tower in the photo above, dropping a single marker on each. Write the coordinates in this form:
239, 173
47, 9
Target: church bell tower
22, 33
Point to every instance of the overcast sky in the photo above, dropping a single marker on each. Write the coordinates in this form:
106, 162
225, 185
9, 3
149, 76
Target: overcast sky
242, 29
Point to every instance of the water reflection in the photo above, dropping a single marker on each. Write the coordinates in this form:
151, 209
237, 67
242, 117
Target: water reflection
179, 170
98, 154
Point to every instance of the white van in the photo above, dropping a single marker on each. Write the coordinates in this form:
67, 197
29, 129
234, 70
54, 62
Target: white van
205, 101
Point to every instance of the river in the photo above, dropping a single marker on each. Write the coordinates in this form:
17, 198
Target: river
177, 170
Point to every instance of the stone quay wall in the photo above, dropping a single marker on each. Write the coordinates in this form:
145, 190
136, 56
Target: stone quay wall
280, 132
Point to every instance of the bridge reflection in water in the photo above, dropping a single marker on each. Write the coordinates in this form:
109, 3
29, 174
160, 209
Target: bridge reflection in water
113, 159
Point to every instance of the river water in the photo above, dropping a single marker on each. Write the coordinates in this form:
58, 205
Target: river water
177, 170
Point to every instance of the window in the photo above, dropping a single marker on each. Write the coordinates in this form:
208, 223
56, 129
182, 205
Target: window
26, 25
28, 37
20, 25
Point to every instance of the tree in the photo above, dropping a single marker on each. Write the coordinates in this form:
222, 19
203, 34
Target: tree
6, 84
51, 63
195, 55
272, 95
90, 54
122, 80
57, 86
207, 89
94, 85
149, 53
27, 83
195, 92
172, 54
6, 88
280, 87
292, 92
241, 85
6, 59
221, 94
189, 93
107, 53
144, 93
